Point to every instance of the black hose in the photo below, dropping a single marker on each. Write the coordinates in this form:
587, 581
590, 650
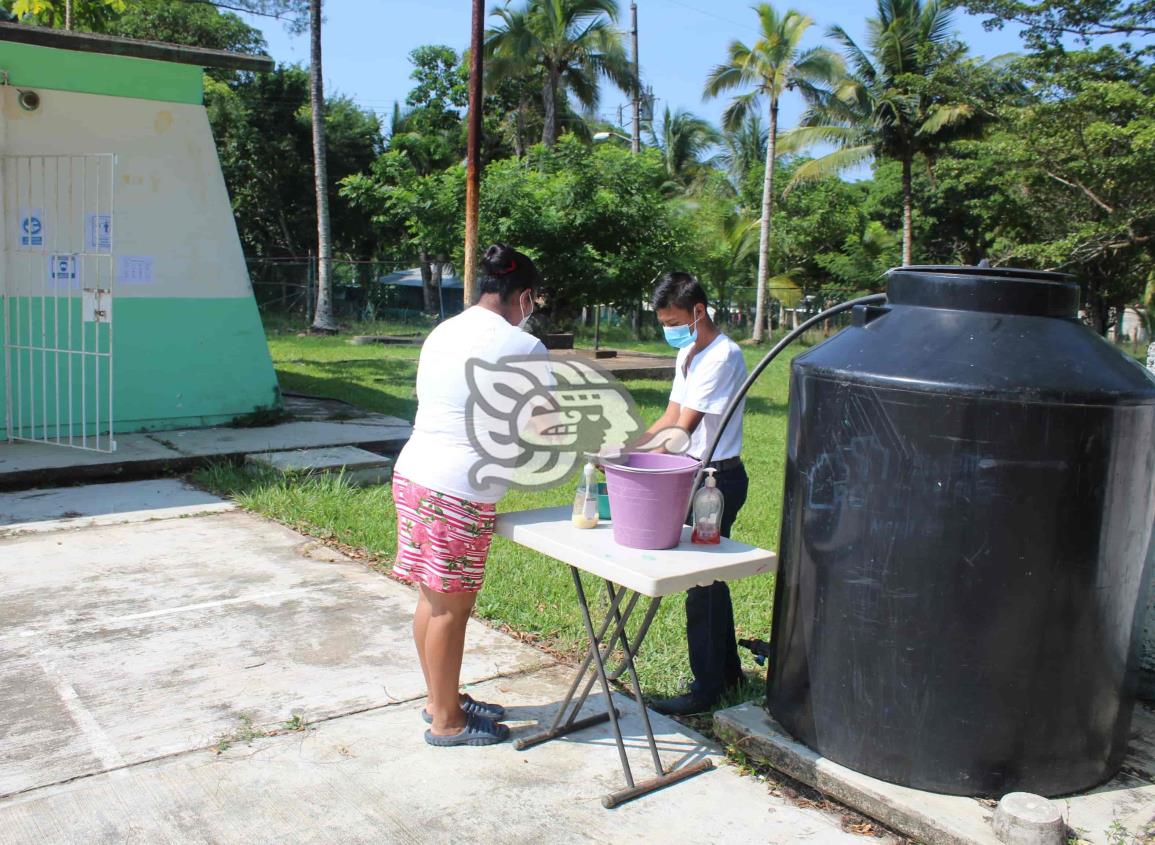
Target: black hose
790, 337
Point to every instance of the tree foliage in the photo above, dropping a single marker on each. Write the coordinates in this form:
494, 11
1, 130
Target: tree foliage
911, 92
194, 24
262, 127
1045, 162
764, 72
87, 15
683, 140
1047, 23
594, 219
1084, 149
567, 46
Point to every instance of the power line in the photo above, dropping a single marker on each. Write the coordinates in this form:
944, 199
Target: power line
684, 5
240, 9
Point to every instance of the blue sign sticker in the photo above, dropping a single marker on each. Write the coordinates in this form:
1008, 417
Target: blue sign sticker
30, 224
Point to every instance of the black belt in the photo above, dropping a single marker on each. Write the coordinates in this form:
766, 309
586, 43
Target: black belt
726, 464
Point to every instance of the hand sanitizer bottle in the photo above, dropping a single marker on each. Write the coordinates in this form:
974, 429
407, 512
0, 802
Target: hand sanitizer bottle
585, 501
708, 504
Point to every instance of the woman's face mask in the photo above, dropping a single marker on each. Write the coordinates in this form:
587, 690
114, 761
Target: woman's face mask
525, 315
680, 337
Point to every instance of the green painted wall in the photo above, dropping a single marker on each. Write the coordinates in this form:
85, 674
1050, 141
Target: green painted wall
177, 362
33, 66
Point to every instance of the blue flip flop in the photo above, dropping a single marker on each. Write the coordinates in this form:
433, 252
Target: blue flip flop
478, 731
471, 706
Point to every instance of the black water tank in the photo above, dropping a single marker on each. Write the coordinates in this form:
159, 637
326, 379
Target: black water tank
966, 539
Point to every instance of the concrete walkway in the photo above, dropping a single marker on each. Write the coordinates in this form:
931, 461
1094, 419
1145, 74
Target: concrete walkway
56, 508
142, 663
146, 455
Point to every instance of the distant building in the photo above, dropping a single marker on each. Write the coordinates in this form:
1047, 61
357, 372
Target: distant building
408, 290
127, 303
1134, 327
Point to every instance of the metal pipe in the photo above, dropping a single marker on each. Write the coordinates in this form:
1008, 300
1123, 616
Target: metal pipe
473, 154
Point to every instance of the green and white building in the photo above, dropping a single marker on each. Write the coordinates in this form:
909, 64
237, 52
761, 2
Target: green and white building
126, 301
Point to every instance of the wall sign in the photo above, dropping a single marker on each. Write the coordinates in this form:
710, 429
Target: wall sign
134, 269
30, 228
63, 271
98, 232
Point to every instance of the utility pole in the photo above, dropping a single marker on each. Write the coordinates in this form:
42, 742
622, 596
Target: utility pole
636, 135
473, 154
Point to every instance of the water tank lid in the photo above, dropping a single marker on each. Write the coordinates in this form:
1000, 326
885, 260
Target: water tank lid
1003, 290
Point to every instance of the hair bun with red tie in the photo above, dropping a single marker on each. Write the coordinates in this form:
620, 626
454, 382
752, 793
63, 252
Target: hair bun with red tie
505, 271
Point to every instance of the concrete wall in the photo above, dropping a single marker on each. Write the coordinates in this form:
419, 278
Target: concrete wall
188, 345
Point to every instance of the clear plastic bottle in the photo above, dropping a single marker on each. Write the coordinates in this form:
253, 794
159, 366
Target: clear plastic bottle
708, 504
585, 501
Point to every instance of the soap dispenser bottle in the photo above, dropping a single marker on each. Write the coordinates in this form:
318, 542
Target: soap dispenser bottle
585, 501
707, 510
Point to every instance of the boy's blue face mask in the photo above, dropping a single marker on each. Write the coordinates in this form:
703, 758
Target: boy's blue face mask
680, 337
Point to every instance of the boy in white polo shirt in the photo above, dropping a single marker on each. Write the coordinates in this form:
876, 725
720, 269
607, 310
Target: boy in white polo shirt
710, 370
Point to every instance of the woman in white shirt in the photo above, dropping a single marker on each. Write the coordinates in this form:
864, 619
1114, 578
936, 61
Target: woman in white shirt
444, 521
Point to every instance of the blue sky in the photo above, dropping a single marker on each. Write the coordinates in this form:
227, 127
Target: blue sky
366, 43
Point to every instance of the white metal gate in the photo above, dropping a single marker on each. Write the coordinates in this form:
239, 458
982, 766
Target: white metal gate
58, 273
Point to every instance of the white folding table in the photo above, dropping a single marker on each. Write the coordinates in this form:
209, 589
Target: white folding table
632, 572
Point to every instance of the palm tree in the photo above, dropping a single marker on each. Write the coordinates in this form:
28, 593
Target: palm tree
892, 103
323, 319
772, 66
743, 148
736, 245
567, 45
683, 140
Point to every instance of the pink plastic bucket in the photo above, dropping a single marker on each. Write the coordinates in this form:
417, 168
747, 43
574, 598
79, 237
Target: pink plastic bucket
649, 497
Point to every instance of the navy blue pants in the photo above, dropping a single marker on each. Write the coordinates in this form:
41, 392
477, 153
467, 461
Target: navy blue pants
709, 613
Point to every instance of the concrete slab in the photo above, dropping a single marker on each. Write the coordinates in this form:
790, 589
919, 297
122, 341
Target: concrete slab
358, 466
24, 465
1127, 801
58, 508
370, 778
386, 340
300, 406
627, 365
128, 643
32, 464
387, 433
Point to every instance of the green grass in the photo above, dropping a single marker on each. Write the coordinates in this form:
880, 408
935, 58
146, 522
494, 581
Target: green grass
526, 591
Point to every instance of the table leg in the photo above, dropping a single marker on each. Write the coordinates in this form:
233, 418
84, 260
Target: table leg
663, 778
640, 637
616, 799
613, 642
601, 669
572, 724
637, 687
600, 649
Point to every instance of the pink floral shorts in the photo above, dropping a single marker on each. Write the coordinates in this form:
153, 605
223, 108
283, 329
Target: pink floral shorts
442, 541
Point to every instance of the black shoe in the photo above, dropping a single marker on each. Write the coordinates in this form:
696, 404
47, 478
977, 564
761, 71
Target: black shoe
682, 705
